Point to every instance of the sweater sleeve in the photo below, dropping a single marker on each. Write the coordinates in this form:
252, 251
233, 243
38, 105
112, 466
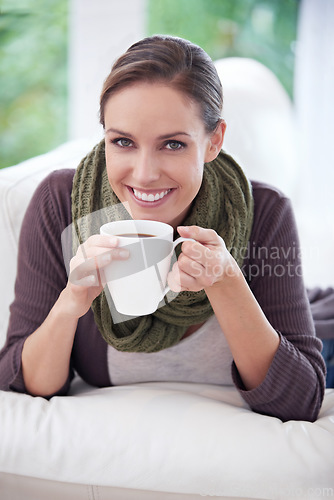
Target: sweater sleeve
41, 275
294, 385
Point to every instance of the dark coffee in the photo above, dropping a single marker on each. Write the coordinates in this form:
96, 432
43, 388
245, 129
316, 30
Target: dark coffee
135, 235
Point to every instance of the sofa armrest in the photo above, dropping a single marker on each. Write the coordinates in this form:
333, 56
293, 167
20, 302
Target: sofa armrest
17, 185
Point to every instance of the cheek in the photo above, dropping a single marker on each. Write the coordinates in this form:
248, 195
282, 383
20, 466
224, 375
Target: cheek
196, 175
114, 178
192, 183
110, 171
114, 166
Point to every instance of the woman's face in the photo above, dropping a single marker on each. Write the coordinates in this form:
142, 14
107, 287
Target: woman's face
156, 146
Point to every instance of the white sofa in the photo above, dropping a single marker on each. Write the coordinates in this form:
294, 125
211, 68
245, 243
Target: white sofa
160, 440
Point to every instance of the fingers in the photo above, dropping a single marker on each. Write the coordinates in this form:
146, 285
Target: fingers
208, 249
97, 244
200, 234
202, 263
179, 280
92, 257
76, 278
195, 275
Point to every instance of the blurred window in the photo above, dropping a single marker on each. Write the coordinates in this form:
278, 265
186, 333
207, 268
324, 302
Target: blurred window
33, 77
264, 30
34, 46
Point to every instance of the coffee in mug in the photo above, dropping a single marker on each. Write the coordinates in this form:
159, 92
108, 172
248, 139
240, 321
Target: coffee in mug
135, 235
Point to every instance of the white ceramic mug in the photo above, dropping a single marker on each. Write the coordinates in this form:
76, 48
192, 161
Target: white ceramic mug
138, 284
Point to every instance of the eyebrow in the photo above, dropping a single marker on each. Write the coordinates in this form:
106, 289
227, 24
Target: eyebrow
161, 137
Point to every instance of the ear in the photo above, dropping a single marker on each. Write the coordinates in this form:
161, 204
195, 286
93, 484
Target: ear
215, 142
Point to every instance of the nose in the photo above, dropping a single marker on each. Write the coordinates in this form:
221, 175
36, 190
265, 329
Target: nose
146, 168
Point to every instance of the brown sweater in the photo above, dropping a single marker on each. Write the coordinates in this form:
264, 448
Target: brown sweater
294, 385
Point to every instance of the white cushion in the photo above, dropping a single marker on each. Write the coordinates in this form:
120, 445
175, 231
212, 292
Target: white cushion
187, 438
261, 129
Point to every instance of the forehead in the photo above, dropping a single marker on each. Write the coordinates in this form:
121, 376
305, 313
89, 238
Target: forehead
148, 103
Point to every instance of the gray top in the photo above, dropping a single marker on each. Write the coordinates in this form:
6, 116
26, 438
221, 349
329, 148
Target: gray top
203, 357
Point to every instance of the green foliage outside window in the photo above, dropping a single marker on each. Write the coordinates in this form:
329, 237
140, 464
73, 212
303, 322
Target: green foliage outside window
264, 30
34, 47
33, 78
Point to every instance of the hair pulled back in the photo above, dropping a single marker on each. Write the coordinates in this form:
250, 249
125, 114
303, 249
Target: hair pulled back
179, 63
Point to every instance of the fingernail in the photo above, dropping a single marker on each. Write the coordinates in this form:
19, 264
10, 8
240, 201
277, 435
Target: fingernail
106, 257
123, 253
113, 239
90, 280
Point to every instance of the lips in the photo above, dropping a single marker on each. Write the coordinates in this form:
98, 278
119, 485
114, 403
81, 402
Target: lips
152, 196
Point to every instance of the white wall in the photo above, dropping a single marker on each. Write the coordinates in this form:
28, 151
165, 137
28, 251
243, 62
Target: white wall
100, 31
314, 100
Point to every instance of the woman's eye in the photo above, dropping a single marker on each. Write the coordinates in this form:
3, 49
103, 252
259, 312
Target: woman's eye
175, 145
122, 142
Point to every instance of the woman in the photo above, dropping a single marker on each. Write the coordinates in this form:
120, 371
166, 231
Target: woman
242, 302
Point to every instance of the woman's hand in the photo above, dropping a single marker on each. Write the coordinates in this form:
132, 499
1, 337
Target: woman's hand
202, 264
86, 280
206, 264
47, 351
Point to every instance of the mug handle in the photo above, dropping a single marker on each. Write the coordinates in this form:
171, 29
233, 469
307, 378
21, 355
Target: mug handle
175, 243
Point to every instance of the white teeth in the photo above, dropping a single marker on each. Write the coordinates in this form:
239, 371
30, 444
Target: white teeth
150, 197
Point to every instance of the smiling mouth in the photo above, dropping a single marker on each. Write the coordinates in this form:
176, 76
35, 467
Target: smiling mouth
151, 197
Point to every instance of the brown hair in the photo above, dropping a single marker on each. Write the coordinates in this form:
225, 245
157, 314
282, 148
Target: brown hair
183, 65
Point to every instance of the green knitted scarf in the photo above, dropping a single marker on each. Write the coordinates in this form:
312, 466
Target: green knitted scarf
223, 203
